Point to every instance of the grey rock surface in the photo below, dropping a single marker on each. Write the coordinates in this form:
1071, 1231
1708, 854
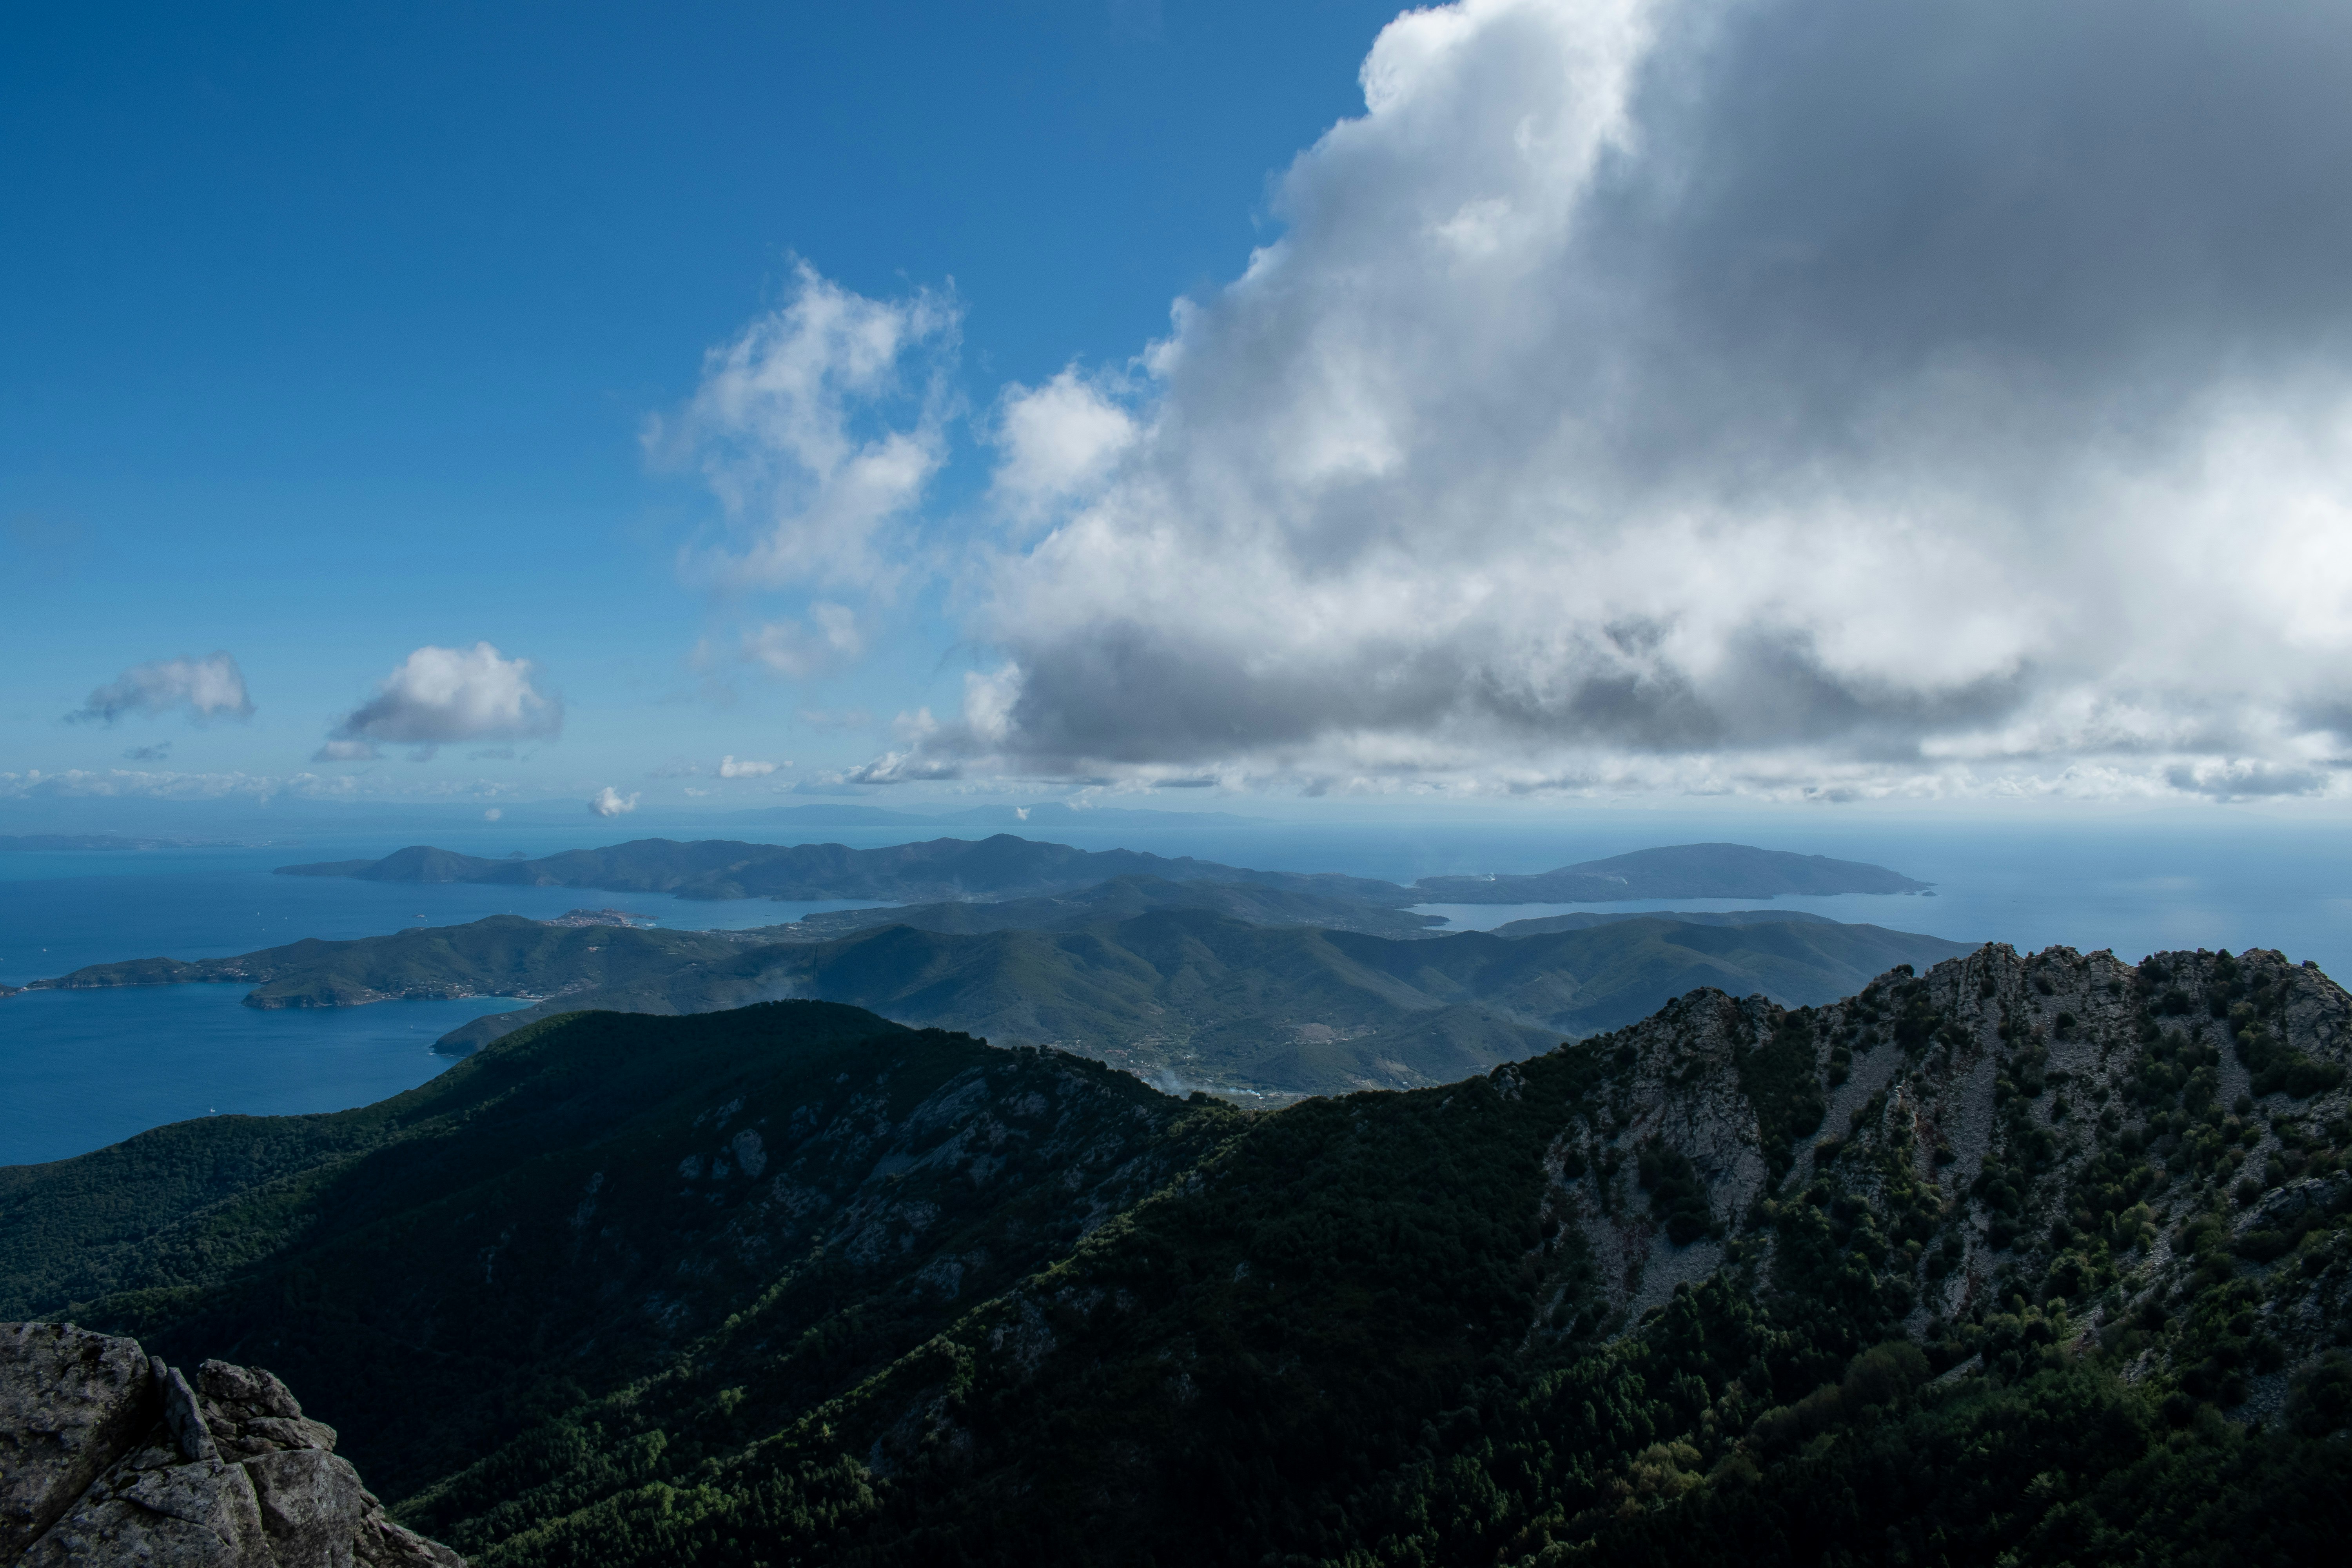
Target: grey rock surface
69, 1403
109, 1457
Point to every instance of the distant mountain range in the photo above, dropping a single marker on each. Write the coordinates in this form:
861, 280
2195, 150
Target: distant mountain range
1176, 989
1000, 867
1046, 813
1006, 867
1682, 872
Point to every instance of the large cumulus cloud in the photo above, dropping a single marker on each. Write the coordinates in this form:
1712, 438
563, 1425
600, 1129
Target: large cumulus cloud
1729, 393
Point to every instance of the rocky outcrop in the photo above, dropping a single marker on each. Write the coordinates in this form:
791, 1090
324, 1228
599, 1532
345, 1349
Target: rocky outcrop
2059, 1130
110, 1457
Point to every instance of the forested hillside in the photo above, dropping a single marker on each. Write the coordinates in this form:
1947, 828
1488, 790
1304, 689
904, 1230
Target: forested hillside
1184, 994
2024, 1258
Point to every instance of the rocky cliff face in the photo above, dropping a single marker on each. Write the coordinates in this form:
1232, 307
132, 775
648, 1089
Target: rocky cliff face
109, 1457
2059, 1142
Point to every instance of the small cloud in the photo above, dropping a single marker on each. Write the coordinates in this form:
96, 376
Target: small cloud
440, 695
901, 767
729, 768
492, 814
346, 752
819, 428
2243, 780
829, 641
208, 687
155, 753
609, 802
492, 754
698, 793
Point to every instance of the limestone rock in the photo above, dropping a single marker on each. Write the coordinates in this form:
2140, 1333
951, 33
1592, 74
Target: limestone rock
169, 1515
71, 1402
109, 1457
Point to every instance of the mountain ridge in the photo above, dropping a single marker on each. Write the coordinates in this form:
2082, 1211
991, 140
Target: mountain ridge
1179, 993
1006, 866
2045, 1257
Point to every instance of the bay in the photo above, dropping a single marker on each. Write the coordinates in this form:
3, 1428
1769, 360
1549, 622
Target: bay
87, 1068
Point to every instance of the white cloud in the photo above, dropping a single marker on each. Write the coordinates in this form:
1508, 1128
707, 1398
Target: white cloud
1058, 440
729, 768
439, 695
127, 783
828, 639
492, 814
1806, 397
609, 802
208, 687
818, 427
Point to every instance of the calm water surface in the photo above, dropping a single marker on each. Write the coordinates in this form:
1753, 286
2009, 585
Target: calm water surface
85, 1069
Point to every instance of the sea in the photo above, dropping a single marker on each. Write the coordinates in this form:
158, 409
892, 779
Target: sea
83, 1069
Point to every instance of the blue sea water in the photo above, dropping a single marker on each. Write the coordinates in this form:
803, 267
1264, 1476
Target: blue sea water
84, 1069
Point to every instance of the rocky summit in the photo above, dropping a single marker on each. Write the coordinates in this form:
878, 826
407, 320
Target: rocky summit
110, 1457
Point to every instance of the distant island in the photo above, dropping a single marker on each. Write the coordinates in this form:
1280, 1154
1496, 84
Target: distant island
1007, 866
1680, 871
1232, 987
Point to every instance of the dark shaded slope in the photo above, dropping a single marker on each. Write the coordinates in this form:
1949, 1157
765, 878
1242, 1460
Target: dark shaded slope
570, 1208
1624, 1303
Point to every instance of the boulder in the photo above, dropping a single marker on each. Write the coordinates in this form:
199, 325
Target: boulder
111, 1458
70, 1403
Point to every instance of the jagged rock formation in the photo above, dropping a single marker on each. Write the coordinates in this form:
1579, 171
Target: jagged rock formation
2062, 1127
108, 1456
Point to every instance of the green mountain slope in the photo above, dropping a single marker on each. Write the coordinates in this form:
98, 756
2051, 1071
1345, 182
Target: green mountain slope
567, 1209
1191, 996
1181, 995
1679, 1292
500, 956
1122, 898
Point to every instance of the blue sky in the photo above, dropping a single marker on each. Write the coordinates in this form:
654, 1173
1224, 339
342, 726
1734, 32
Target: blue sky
1564, 399
332, 329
